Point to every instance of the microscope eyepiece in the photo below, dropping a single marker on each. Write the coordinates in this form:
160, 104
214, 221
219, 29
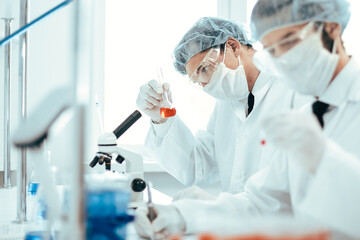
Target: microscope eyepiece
125, 125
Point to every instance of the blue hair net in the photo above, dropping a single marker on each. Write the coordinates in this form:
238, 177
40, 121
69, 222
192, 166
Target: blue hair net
269, 15
207, 32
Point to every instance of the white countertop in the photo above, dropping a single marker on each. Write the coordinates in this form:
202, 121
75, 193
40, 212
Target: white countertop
8, 229
12, 231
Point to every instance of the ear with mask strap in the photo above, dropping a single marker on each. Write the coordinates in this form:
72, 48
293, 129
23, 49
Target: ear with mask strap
238, 57
224, 54
334, 48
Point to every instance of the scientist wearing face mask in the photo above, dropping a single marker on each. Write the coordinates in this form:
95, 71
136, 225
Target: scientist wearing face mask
314, 174
217, 55
303, 40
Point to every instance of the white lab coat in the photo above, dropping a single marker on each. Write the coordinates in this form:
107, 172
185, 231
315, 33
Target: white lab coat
229, 150
332, 195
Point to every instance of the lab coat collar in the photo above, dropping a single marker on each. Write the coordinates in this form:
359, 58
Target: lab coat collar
260, 82
340, 90
261, 87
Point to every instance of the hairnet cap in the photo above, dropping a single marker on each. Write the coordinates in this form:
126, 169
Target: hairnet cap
206, 33
269, 15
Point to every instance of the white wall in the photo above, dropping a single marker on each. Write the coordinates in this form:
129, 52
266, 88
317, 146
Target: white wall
351, 35
233, 9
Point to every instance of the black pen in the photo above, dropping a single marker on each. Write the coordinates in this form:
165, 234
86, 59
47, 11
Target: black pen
152, 214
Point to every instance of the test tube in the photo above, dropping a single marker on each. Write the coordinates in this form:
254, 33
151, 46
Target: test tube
166, 109
152, 212
97, 103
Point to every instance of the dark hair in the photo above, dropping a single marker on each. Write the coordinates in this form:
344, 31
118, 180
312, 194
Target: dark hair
248, 45
328, 41
222, 46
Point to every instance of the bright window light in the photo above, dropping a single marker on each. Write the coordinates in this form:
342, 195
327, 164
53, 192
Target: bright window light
351, 34
139, 37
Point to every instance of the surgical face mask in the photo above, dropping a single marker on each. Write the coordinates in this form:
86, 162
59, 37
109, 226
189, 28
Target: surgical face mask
307, 67
228, 84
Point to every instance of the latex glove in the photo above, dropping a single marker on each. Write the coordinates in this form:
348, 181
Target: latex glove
298, 134
193, 192
150, 99
168, 221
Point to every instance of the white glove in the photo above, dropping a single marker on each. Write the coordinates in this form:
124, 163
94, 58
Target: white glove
150, 99
193, 192
298, 134
168, 221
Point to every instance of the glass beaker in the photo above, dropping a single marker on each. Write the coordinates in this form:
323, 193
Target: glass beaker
166, 110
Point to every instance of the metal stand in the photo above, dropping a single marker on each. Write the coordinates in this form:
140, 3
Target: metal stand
21, 210
7, 89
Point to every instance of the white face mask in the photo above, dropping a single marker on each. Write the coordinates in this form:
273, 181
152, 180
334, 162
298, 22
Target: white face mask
308, 67
228, 84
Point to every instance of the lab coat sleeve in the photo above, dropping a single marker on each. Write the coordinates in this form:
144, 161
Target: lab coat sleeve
189, 158
266, 192
335, 188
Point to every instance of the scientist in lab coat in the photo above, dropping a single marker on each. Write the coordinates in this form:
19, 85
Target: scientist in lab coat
311, 175
317, 64
217, 55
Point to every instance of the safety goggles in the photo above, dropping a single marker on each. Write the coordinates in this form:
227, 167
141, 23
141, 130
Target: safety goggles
284, 45
264, 59
204, 71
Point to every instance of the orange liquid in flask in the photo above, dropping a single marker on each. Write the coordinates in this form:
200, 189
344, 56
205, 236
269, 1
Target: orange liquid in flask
167, 112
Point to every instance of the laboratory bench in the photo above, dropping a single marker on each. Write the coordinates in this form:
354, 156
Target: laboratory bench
13, 231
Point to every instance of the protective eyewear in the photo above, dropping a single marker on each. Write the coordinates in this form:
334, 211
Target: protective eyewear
284, 45
265, 59
204, 71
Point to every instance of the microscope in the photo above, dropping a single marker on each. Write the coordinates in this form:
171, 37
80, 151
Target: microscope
108, 150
